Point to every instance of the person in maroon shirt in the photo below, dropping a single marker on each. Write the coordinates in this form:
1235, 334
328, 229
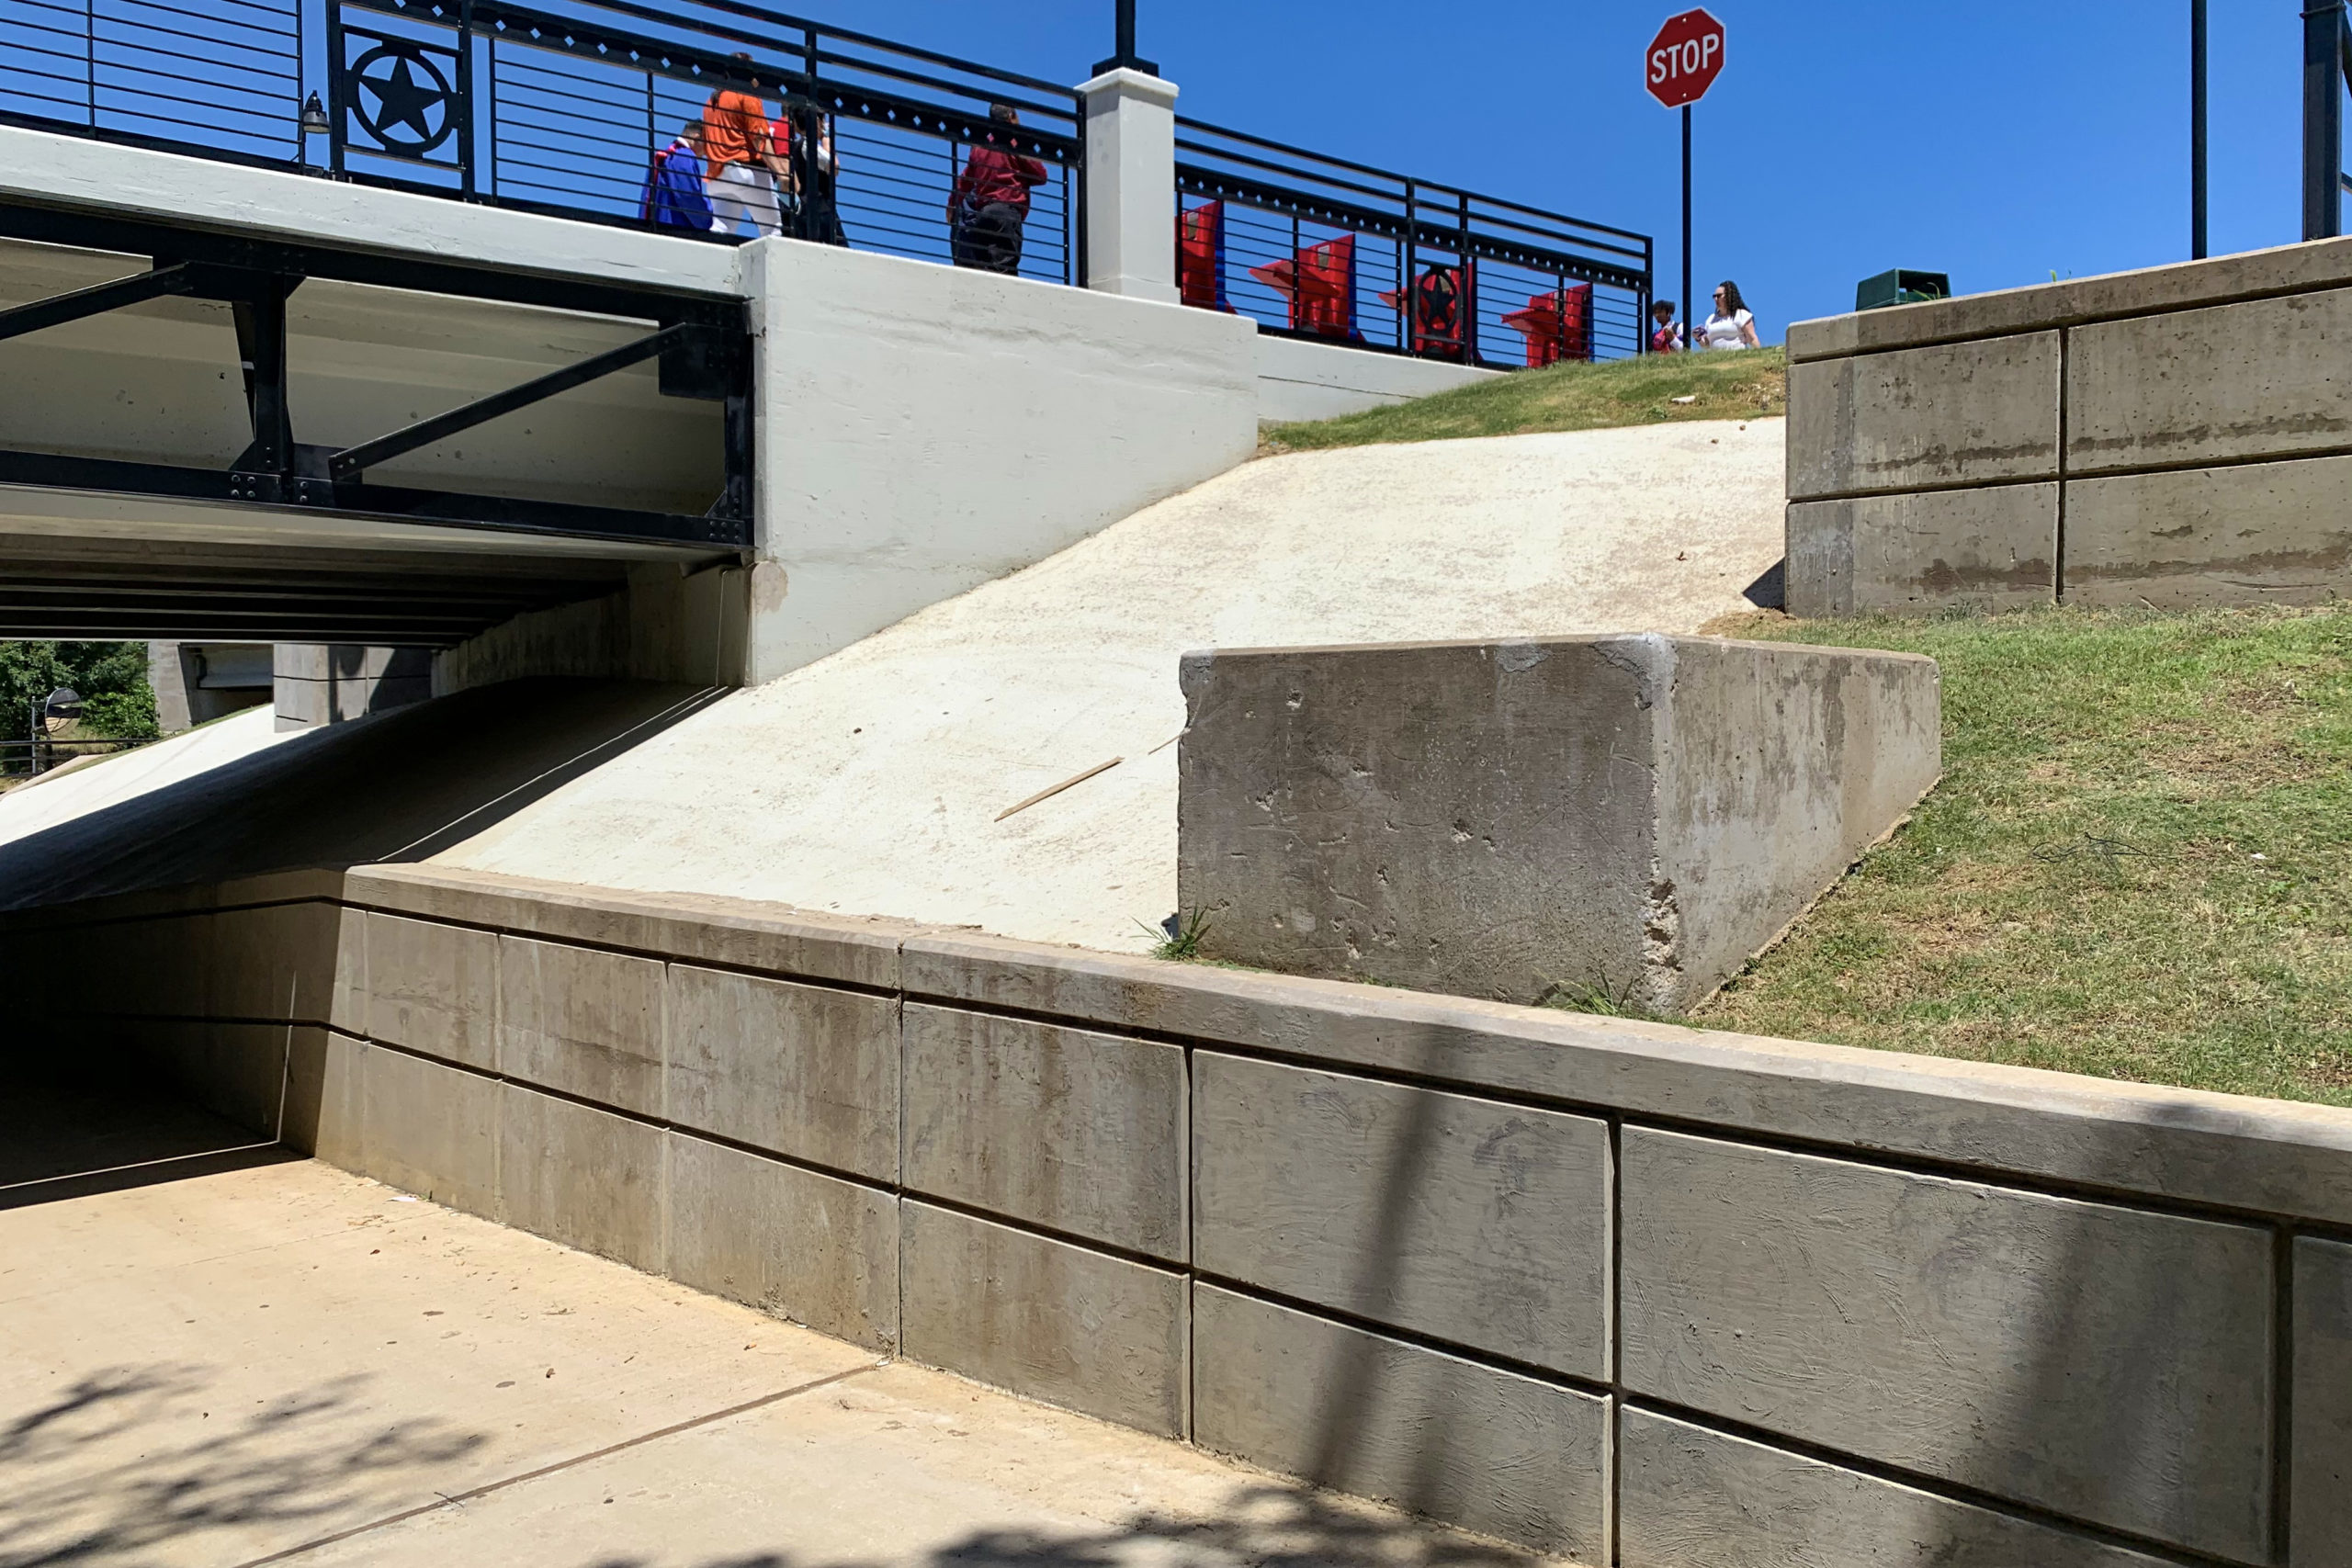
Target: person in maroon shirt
989, 202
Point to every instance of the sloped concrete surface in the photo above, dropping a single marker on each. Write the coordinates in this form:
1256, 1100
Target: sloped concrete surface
870, 783
273, 1360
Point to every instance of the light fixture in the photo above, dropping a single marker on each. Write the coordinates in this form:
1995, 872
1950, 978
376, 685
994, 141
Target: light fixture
314, 117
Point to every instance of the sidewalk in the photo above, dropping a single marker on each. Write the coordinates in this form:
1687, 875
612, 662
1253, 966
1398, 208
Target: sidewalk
275, 1361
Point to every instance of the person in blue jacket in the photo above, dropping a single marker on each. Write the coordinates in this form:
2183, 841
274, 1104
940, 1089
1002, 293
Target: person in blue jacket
673, 196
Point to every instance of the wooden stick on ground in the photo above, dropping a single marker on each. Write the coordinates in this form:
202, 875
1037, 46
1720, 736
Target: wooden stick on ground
1065, 784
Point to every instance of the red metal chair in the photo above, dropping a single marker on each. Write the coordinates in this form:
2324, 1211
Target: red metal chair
1200, 257
1556, 326
1441, 296
1319, 281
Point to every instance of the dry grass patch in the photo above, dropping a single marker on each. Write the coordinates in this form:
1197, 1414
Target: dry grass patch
2139, 863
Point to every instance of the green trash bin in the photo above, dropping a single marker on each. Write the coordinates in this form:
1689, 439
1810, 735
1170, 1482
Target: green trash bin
1901, 286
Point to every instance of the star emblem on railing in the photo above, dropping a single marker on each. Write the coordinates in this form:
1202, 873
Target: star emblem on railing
402, 99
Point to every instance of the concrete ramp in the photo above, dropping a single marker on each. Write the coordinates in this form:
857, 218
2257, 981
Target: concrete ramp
872, 782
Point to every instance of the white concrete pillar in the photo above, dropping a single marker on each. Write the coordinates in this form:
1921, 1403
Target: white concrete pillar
1131, 185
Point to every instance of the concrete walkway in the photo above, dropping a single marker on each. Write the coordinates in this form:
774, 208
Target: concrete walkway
870, 783
234, 1357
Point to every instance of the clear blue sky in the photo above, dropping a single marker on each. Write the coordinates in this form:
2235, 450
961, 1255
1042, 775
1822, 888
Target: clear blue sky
1999, 140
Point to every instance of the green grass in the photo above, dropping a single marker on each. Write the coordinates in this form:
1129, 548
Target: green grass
2139, 863
1746, 385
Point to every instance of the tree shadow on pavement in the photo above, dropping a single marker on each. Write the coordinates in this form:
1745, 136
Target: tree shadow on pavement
1264, 1525
111, 1470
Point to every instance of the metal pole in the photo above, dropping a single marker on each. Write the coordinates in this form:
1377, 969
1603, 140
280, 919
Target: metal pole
1689, 305
2323, 120
2197, 102
1126, 60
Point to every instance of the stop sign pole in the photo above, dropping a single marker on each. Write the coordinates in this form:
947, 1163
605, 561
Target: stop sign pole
1683, 62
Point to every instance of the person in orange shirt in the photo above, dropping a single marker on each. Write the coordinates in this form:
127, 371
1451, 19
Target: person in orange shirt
751, 161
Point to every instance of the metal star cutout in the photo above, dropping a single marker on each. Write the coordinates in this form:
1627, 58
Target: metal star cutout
402, 100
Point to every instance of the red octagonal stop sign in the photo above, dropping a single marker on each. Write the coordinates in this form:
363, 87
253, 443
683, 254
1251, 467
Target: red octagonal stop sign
1685, 59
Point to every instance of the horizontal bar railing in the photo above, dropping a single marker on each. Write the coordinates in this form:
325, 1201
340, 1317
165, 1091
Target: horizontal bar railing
1329, 248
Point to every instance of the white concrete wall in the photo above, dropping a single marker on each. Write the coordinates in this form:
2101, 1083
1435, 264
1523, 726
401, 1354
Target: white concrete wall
1298, 379
924, 430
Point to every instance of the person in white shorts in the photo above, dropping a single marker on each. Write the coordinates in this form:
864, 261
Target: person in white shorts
750, 159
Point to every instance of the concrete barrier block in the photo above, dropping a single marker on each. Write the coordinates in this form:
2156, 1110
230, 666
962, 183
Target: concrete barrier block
582, 1023
1993, 548
582, 1176
235, 1070
347, 1003
1917, 419
2323, 264
433, 1131
2257, 379
161, 967
1635, 814
432, 989
800, 1070
2319, 1488
1462, 1219
2108, 1364
1472, 1444
1074, 1132
1044, 1319
2264, 532
806, 1248
1689, 1497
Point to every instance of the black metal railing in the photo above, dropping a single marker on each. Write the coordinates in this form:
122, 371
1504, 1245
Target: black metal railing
558, 107
1325, 248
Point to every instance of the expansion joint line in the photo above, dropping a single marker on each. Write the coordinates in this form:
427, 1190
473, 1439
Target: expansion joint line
456, 1499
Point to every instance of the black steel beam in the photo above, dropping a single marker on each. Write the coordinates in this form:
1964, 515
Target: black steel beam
381, 502
352, 461
82, 303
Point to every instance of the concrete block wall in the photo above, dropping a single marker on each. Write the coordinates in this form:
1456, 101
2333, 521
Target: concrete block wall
317, 684
1637, 1294
2175, 437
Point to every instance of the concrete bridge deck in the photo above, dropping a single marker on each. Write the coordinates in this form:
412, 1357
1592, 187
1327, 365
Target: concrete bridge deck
245, 1357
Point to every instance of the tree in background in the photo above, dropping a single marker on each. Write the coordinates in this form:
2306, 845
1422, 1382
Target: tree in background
111, 677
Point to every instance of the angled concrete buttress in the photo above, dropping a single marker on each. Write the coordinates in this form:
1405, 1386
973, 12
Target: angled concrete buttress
1634, 815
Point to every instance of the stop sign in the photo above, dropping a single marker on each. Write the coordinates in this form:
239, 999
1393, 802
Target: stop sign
1685, 59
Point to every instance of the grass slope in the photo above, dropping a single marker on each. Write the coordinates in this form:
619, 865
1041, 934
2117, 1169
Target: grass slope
2139, 863
1746, 385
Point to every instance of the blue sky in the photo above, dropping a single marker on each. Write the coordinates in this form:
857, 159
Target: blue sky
1999, 140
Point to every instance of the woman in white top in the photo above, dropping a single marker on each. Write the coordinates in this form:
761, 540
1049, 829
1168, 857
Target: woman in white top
1730, 326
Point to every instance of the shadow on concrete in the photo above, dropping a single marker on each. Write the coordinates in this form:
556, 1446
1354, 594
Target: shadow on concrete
60, 1139
1260, 1526
400, 786
111, 1470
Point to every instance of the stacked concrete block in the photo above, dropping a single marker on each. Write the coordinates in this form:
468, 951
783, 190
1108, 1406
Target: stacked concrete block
318, 685
2175, 437
1621, 1291
1633, 816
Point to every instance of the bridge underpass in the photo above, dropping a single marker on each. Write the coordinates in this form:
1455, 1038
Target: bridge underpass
213, 436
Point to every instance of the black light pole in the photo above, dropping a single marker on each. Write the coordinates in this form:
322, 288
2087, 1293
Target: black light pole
1125, 60
2323, 48
2197, 187
1689, 304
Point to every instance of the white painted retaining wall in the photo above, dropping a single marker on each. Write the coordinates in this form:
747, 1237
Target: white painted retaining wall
1297, 380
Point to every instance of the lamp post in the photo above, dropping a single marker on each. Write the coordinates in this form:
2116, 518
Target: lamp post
1126, 59
2197, 101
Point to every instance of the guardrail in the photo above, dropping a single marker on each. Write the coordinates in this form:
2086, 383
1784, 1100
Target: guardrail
1325, 248
34, 758
557, 109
